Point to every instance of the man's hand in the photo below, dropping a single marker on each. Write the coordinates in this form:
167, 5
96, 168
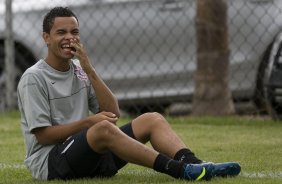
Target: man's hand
81, 54
109, 116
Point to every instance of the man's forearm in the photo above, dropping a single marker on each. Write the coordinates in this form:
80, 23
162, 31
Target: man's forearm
59, 133
106, 99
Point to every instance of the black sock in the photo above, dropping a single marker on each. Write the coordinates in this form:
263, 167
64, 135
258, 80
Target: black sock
187, 156
169, 166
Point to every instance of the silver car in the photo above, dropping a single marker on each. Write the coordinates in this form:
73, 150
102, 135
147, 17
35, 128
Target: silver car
145, 50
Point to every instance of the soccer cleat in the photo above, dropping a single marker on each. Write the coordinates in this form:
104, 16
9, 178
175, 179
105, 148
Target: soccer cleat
195, 172
208, 170
225, 169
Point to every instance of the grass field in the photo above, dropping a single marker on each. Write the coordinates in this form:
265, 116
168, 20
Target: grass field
255, 143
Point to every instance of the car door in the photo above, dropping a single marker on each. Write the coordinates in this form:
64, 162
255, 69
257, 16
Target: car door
144, 49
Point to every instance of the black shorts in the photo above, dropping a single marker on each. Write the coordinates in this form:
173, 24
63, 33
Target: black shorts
75, 159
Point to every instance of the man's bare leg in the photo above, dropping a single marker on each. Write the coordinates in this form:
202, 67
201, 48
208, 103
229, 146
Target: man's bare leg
105, 136
154, 127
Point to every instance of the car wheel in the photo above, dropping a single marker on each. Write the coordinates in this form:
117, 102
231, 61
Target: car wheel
272, 80
259, 97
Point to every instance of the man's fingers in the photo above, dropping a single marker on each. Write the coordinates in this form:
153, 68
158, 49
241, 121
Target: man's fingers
78, 49
111, 117
75, 45
109, 114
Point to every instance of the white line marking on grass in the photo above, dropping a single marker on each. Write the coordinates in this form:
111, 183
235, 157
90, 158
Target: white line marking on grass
146, 172
264, 174
11, 166
268, 174
142, 172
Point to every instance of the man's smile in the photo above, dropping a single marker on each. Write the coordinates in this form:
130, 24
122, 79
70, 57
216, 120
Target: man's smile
67, 47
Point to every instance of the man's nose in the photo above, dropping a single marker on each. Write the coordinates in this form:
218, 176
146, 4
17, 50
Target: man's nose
69, 36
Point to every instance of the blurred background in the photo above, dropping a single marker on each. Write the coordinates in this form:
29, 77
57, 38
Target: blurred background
177, 57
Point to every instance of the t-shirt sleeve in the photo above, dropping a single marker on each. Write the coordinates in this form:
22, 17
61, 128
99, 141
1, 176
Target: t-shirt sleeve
34, 102
93, 104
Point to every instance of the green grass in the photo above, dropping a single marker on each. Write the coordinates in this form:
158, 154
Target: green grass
254, 142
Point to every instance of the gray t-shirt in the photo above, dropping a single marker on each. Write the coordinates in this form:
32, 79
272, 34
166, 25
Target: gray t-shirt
47, 97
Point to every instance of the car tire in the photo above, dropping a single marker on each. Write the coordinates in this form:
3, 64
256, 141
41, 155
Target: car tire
23, 60
272, 80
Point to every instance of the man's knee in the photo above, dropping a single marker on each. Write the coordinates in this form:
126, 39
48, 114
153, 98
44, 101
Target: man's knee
101, 131
155, 118
99, 136
101, 128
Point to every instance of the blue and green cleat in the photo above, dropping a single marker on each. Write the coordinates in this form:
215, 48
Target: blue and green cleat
208, 170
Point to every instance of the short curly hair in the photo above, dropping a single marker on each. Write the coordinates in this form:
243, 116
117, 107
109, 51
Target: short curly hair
49, 18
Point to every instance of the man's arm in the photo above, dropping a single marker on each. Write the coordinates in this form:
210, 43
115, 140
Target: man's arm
106, 99
59, 133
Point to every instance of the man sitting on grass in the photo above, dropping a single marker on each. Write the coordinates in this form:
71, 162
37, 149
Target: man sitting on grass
64, 142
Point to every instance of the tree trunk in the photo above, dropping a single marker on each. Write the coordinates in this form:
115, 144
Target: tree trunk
212, 95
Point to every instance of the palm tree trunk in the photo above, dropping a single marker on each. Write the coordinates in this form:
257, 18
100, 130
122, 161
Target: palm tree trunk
212, 94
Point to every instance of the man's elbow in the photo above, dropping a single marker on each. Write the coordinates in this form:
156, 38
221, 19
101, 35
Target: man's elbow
39, 133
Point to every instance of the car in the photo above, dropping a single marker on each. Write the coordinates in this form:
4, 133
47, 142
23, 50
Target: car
145, 50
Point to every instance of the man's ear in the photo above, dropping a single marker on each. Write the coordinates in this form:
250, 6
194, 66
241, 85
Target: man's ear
46, 37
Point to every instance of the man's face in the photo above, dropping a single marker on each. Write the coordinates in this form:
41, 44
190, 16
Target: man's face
58, 41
